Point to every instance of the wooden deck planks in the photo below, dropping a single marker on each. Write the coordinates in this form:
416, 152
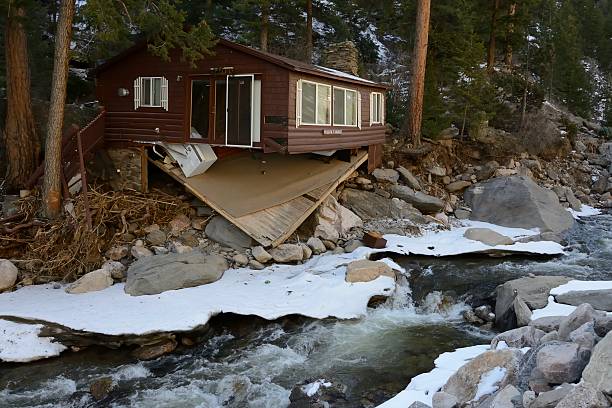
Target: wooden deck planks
271, 226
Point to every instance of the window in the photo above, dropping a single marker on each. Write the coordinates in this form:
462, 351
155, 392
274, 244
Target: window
346, 107
313, 104
376, 108
151, 92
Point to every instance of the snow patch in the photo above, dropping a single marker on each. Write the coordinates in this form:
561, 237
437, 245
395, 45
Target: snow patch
585, 211
312, 388
559, 309
488, 382
19, 343
424, 386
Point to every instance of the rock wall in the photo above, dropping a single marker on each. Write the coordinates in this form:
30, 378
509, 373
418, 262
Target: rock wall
342, 56
128, 168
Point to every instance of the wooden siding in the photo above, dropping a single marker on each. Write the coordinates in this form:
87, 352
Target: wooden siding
311, 138
126, 124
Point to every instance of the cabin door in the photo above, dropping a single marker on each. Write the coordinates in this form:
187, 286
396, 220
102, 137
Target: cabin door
239, 112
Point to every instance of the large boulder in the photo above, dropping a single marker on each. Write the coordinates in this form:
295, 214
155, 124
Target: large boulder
421, 201
334, 221
534, 291
581, 315
517, 201
8, 274
157, 274
598, 373
371, 206
527, 336
550, 399
287, 253
464, 383
91, 282
227, 234
386, 175
561, 362
583, 396
487, 236
365, 270
600, 299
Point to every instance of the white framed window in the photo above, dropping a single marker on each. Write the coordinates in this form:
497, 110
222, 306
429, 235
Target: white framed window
377, 112
346, 107
313, 103
151, 92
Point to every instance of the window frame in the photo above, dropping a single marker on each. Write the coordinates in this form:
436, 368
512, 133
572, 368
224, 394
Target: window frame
379, 106
357, 110
316, 109
142, 93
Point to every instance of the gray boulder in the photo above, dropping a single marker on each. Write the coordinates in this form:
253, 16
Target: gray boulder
583, 396
94, 281
583, 314
584, 336
599, 299
549, 399
157, 274
487, 236
517, 201
442, 399
506, 398
409, 178
561, 362
521, 311
227, 234
598, 373
371, 206
527, 336
547, 323
421, 201
386, 175
287, 253
8, 274
534, 291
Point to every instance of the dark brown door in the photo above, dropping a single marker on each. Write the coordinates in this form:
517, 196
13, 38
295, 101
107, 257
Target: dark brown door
239, 110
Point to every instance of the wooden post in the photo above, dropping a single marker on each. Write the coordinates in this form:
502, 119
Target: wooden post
83, 179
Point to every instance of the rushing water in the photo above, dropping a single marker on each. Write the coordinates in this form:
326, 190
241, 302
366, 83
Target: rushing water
249, 362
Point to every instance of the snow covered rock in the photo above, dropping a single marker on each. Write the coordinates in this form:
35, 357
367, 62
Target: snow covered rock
8, 274
598, 372
600, 299
487, 236
19, 343
334, 220
157, 274
517, 201
365, 271
91, 282
465, 383
287, 253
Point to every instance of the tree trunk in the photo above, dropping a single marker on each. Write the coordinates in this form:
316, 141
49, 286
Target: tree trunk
417, 85
491, 52
309, 45
509, 34
53, 147
265, 22
20, 140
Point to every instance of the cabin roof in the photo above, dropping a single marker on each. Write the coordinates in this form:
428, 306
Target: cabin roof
287, 63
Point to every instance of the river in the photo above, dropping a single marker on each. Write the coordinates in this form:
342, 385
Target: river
250, 362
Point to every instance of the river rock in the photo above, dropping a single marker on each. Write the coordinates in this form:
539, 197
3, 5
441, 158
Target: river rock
8, 274
458, 186
521, 312
550, 399
227, 234
421, 201
157, 274
581, 315
517, 201
464, 383
117, 252
598, 372
584, 336
526, 336
153, 351
561, 362
352, 245
600, 299
442, 399
603, 325
116, 269
437, 171
306, 251
583, 396
240, 259
386, 175
287, 253
487, 236
100, 388
334, 221
139, 251
534, 291
91, 282
156, 237
365, 270
261, 255
409, 178
317, 246
550, 336
371, 206
505, 398
547, 323
179, 224
255, 264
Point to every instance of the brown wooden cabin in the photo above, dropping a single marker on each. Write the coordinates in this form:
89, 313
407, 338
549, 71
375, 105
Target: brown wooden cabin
238, 97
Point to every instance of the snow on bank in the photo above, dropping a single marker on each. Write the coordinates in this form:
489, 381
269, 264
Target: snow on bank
585, 211
559, 309
19, 343
424, 386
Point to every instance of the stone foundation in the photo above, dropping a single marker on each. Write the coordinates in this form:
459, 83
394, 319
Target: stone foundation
129, 168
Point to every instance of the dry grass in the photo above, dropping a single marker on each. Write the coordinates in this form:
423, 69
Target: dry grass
65, 249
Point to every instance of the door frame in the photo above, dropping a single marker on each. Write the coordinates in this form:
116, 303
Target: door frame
252, 76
